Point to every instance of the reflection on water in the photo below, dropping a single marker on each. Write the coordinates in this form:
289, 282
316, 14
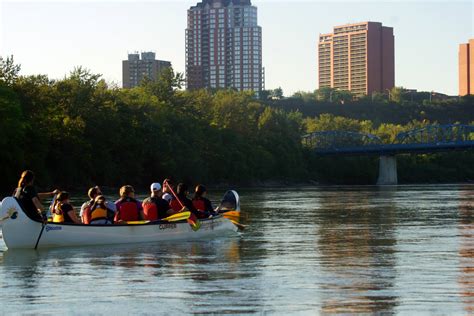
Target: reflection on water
344, 250
466, 249
350, 242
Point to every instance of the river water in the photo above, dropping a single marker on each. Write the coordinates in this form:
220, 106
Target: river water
321, 250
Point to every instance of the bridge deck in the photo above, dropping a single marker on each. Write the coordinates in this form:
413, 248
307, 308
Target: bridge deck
393, 149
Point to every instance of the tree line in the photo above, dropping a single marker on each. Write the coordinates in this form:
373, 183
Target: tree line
80, 130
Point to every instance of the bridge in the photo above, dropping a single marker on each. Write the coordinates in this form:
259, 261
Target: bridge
429, 139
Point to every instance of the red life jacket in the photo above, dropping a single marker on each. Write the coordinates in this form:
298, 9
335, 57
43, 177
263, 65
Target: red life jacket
175, 205
127, 210
199, 205
150, 210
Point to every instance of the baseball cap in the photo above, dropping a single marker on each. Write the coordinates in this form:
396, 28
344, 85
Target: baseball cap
155, 186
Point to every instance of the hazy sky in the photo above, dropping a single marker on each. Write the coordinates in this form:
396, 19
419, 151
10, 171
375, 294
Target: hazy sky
54, 36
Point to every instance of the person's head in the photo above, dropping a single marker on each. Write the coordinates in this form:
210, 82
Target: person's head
127, 191
155, 189
93, 192
99, 200
63, 196
27, 178
182, 189
200, 191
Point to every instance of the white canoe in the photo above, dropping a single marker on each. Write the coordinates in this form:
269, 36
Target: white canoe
20, 232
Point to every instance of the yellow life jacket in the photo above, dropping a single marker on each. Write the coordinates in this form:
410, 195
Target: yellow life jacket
98, 213
58, 215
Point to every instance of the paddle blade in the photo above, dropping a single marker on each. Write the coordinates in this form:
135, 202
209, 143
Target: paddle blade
233, 215
177, 217
194, 222
137, 222
239, 226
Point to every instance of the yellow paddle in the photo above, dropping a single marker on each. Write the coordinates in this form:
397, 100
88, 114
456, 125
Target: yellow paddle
232, 215
178, 217
172, 218
239, 226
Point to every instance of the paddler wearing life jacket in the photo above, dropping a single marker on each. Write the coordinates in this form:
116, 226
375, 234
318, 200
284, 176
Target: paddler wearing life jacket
154, 207
99, 213
85, 208
181, 203
128, 208
201, 203
28, 198
63, 212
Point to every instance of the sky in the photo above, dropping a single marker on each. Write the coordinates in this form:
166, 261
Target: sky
53, 37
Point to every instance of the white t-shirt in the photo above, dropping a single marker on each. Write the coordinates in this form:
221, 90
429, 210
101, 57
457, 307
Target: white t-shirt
167, 197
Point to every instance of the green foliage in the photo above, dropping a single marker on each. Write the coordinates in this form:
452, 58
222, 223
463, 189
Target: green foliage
8, 70
79, 131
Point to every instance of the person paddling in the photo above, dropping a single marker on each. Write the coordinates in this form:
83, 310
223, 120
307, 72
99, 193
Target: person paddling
201, 203
154, 207
29, 199
63, 211
128, 208
182, 203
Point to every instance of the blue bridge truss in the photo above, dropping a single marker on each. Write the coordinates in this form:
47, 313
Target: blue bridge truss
432, 138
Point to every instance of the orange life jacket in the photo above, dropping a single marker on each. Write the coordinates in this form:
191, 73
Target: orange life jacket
98, 213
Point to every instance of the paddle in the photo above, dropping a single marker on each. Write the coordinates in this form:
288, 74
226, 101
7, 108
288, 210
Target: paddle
43, 224
193, 221
232, 215
173, 218
240, 226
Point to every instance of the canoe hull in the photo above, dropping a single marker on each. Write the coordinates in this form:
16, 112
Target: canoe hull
20, 232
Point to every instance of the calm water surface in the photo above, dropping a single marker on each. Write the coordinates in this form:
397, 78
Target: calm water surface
400, 250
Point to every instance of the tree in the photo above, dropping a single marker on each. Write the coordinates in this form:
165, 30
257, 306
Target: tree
324, 94
277, 94
8, 70
166, 85
396, 94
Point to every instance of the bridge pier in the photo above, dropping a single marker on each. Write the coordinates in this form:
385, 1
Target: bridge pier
387, 171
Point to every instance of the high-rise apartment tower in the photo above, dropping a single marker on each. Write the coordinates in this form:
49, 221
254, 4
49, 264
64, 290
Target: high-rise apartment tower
466, 68
224, 46
357, 57
134, 70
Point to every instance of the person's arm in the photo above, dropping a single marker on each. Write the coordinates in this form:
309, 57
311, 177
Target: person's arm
117, 213
141, 213
37, 204
86, 215
44, 195
73, 216
208, 205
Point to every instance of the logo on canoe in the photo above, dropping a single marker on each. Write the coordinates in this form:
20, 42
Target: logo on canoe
49, 228
167, 226
12, 213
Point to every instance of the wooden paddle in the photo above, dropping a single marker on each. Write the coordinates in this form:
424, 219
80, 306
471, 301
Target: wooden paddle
192, 220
